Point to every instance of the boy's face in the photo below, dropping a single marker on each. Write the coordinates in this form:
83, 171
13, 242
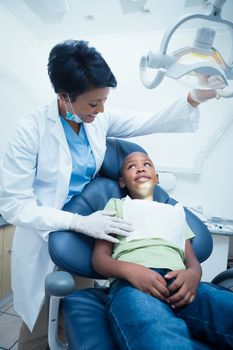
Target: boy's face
138, 175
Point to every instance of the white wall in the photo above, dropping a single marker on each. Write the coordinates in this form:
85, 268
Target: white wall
24, 85
22, 76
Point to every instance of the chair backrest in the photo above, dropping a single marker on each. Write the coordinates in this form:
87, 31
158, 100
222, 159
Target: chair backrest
72, 251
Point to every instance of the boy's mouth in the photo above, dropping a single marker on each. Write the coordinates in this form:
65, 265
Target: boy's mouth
142, 178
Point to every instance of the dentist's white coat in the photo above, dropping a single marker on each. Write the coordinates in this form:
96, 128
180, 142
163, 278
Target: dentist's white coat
34, 183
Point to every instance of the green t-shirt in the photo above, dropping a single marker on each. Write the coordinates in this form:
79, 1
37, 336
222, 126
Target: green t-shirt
149, 252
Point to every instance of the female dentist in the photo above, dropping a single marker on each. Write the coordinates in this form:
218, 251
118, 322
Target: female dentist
55, 152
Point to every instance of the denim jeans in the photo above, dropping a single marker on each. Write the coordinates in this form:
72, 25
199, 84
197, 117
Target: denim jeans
142, 322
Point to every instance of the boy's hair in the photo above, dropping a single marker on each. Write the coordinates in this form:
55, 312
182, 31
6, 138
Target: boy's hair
74, 68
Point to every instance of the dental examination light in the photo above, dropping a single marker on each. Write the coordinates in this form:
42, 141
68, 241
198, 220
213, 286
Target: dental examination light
195, 66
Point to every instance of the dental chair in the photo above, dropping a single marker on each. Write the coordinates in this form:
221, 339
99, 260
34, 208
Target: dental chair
84, 311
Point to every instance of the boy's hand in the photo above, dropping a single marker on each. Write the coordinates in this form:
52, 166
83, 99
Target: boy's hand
183, 288
148, 281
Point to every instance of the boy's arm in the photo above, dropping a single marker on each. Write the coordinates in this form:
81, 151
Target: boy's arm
139, 276
191, 261
185, 284
103, 262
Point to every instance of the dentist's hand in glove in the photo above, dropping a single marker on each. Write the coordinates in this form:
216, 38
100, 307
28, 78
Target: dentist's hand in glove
100, 224
199, 96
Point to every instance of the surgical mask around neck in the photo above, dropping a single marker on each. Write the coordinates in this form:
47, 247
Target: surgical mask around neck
72, 116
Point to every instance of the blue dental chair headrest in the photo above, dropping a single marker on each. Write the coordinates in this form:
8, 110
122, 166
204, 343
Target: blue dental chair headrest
116, 151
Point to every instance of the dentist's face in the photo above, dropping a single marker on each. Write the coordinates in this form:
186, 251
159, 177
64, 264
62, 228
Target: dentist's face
89, 104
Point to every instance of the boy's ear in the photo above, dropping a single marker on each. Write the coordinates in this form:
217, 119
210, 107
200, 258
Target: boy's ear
121, 182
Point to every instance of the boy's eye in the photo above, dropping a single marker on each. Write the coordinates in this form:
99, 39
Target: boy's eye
131, 166
147, 164
93, 105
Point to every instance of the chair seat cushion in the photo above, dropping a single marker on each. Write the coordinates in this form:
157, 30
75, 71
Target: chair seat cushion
86, 320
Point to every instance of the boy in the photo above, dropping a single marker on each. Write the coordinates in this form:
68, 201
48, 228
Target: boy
157, 300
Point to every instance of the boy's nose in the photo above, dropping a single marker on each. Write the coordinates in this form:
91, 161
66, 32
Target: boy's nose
141, 169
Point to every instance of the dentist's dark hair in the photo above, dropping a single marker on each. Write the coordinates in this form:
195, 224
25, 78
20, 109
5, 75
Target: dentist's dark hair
74, 68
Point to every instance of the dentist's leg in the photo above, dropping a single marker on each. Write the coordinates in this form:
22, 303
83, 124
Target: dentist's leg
38, 338
140, 321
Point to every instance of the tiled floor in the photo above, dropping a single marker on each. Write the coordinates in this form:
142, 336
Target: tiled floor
9, 326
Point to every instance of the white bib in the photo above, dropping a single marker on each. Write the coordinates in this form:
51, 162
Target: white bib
155, 220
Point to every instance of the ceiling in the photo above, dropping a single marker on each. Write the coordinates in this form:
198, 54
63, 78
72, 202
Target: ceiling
52, 20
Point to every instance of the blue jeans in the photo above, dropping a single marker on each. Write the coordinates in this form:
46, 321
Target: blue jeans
140, 321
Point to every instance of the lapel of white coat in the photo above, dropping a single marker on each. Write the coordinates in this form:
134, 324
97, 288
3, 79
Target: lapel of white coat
64, 155
57, 129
